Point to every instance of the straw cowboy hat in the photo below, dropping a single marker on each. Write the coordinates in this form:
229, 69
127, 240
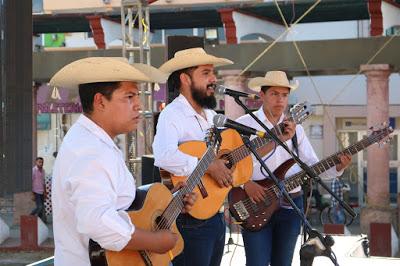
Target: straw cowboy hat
104, 69
192, 57
272, 78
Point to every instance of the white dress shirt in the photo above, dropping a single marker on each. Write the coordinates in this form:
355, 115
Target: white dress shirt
179, 123
280, 155
91, 189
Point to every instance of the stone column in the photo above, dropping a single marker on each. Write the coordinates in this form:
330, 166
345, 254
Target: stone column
233, 81
377, 198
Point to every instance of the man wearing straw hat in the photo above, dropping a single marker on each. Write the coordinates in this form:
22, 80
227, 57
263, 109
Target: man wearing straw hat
275, 243
187, 118
92, 187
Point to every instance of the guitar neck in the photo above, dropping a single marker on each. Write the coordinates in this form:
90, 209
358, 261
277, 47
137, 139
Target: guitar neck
174, 208
322, 166
242, 152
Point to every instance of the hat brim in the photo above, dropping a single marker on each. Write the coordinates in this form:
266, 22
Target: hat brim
191, 60
255, 84
104, 69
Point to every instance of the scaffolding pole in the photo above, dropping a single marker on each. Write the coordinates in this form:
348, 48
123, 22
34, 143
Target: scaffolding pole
135, 23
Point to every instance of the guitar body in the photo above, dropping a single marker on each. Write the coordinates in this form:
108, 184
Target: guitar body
156, 201
206, 207
254, 216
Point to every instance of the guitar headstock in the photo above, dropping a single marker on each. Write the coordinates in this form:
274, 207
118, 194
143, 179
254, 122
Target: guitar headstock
213, 138
300, 112
380, 134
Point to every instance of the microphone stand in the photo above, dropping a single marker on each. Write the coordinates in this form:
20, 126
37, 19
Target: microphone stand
327, 242
307, 251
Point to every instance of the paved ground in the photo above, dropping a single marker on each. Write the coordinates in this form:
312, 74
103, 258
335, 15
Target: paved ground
22, 258
234, 253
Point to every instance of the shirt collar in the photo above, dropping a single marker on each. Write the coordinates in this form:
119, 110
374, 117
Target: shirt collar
94, 129
187, 108
261, 115
37, 168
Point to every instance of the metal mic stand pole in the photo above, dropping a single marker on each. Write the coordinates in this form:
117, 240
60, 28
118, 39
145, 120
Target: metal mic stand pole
281, 186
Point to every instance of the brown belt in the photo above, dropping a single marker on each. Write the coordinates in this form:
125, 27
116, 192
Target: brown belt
293, 196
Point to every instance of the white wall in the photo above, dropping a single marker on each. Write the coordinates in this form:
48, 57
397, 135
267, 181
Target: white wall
331, 89
329, 30
391, 16
316, 142
79, 39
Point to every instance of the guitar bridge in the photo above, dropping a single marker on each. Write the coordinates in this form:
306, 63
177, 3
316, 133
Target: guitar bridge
241, 210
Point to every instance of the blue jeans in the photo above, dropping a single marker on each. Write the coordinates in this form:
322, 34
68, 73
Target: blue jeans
338, 214
274, 244
39, 210
204, 240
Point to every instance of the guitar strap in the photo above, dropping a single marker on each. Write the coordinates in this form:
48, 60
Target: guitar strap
295, 144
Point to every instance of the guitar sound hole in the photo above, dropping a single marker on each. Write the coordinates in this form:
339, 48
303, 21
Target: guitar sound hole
229, 164
159, 224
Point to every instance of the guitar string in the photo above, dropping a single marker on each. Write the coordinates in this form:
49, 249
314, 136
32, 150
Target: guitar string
176, 204
242, 152
361, 144
289, 182
167, 218
199, 172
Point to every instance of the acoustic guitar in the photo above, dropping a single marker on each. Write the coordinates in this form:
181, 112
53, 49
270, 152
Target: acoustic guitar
210, 196
254, 216
157, 211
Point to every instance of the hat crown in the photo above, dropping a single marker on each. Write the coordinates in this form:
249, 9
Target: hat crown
104, 69
278, 77
192, 57
197, 50
272, 79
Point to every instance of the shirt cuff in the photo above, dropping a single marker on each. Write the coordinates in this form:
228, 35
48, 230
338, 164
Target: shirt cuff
121, 225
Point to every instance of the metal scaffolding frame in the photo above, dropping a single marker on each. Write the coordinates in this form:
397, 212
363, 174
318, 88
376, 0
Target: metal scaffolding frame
135, 13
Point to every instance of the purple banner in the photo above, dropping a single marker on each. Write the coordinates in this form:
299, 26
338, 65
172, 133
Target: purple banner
67, 102
59, 108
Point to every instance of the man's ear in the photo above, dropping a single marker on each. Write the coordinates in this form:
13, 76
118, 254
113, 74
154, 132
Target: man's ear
98, 101
185, 79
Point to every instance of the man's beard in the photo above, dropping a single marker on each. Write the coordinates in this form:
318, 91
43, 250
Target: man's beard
201, 98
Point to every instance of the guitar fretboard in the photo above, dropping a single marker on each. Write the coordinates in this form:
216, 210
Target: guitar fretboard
175, 206
298, 179
242, 152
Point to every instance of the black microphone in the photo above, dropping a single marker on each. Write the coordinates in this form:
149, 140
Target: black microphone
224, 90
222, 121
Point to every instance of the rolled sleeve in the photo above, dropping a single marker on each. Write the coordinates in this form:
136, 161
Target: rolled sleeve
166, 152
93, 193
123, 230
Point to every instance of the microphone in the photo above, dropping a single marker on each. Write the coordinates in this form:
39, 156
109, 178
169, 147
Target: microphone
224, 90
222, 121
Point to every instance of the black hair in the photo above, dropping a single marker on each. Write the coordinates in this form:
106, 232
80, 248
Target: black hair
39, 158
174, 81
265, 88
87, 92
